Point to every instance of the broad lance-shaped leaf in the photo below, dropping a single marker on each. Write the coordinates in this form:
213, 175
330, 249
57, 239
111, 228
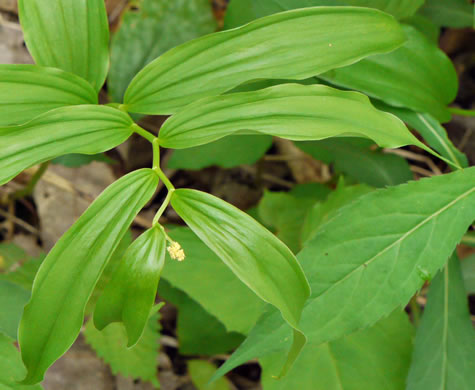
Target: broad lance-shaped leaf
370, 259
444, 351
130, 295
70, 35
419, 67
27, 91
253, 253
66, 279
292, 111
292, 45
84, 129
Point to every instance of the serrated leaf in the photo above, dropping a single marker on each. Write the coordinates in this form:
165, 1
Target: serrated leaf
227, 153
53, 318
156, 27
371, 258
219, 62
199, 333
468, 270
68, 34
444, 350
84, 129
359, 161
291, 111
38, 90
138, 362
130, 294
12, 367
12, 300
372, 359
254, 254
201, 371
432, 131
419, 66
449, 13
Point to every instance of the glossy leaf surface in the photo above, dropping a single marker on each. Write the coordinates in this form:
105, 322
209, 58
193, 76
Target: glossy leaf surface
138, 362
370, 259
291, 111
130, 295
259, 259
372, 359
219, 62
444, 350
80, 129
146, 33
27, 91
70, 35
66, 279
419, 66
202, 274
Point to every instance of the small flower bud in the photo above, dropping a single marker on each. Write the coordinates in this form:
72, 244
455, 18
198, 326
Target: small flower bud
176, 252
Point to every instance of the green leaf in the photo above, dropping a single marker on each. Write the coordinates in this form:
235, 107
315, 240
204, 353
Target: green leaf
79, 160
219, 62
371, 258
444, 350
10, 254
84, 129
320, 213
138, 362
425, 26
449, 13
432, 131
254, 254
130, 295
202, 274
12, 367
201, 371
156, 27
291, 111
419, 67
12, 300
468, 269
195, 338
244, 11
68, 34
27, 91
373, 359
66, 279
24, 274
359, 161
227, 153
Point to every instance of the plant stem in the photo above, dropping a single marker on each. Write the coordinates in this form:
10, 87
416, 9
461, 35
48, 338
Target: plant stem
461, 111
142, 132
162, 208
30, 187
415, 310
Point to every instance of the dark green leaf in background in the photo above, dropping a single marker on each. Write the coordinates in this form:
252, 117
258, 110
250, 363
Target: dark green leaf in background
372, 359
202, 274
67, 277
357, 159
371, 258
444, 351
87, 129
449, 13
219, 62
425, 26
12, 367
418, 76
130, 294
145, 34
79, 160
12, 300
70, 35
226, 153
468, 270
27, 91
292, 111
138, 362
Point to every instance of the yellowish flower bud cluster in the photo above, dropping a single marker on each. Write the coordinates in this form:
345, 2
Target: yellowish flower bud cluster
176, 252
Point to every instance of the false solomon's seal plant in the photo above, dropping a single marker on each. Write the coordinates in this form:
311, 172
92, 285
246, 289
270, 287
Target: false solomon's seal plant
51, 109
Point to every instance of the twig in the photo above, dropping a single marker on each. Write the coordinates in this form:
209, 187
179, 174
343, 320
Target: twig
421, 171
415, 157
19, 222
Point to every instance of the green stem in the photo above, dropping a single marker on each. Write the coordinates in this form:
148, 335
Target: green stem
163, 207
30, 187
461, 111
142, 132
